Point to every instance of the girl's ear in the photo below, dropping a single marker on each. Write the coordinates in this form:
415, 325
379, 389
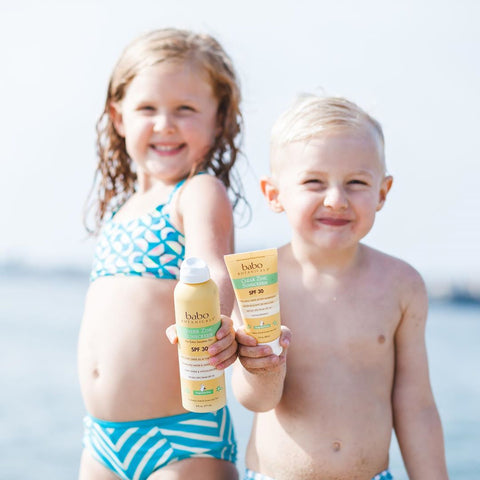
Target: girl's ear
270, 192
385, 187
116, 116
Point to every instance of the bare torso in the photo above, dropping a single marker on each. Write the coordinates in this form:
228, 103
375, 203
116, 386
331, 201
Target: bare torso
335, 416
128, 369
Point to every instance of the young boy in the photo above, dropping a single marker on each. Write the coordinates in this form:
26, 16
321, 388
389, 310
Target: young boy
357, 365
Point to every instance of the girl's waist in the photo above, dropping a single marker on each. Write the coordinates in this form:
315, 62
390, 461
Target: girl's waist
133, 297
136, 381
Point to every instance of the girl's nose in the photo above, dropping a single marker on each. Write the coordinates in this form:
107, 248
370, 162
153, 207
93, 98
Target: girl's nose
335, 198
163, 123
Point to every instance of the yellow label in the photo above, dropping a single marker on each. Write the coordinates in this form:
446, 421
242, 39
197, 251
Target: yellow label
203, 395
255, 281
197, 316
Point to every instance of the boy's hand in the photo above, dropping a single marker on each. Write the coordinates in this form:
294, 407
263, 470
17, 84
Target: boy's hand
224, 351
260, 358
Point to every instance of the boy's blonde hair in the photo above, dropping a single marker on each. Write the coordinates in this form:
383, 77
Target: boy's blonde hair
115, 177
312, 115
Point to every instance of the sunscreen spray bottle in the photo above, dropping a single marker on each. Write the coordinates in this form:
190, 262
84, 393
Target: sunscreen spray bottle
197, 318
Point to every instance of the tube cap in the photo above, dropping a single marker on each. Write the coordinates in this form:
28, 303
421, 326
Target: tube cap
194, 270
277, 349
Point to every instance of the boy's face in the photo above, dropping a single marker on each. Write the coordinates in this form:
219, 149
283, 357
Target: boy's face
330, 187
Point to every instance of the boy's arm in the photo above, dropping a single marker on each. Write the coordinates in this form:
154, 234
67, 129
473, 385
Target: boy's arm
416, 419
258, 375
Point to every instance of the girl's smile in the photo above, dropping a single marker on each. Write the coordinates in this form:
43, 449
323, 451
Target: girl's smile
167, 150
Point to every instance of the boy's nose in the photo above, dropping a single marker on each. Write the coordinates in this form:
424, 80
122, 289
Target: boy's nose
335, 198
163, 123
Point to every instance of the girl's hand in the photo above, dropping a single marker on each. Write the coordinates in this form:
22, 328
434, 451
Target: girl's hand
260, 358
224, 351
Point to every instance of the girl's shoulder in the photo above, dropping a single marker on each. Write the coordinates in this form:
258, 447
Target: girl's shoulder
202, 196
203, 188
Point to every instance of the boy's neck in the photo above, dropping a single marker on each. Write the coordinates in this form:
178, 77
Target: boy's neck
330, 261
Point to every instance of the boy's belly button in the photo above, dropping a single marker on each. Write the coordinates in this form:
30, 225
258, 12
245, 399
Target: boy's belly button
95, 372
336, 446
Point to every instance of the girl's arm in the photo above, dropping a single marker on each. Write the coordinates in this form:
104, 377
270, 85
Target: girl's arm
416, 419
207, 219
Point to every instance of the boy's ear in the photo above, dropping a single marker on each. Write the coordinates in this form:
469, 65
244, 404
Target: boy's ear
385, 187
270, 192
116, 116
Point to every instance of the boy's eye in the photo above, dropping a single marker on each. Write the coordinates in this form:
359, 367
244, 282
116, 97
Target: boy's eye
186, 108
357, 182
146, 108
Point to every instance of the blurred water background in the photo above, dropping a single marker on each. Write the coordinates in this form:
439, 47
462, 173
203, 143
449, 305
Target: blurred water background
41, 408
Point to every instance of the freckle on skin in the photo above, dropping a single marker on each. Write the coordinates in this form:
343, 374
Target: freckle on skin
381, 339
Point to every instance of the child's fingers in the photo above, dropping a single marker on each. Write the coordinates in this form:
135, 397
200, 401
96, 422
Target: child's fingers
226, 328
171, 333
244, 338
285, 337
258, 351
224, 343
225, 358
261, 364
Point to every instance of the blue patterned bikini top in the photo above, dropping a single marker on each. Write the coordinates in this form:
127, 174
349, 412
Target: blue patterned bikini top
148, 246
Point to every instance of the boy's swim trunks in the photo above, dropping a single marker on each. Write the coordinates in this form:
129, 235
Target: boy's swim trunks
133, 450
251, 475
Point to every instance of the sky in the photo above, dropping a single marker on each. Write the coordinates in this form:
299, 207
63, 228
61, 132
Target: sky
413, 65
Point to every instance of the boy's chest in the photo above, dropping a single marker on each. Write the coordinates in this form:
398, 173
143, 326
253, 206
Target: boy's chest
335, 322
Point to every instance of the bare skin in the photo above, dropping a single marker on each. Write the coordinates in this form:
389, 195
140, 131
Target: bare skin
127, 367
198, 469
168, 117
356, 366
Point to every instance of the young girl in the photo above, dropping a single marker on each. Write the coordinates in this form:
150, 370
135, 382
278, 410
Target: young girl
167, 143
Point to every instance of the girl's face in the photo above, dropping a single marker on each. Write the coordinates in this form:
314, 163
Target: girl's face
168, 118
331, 187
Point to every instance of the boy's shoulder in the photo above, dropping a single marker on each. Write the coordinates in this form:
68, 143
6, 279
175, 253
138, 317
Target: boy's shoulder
394, 269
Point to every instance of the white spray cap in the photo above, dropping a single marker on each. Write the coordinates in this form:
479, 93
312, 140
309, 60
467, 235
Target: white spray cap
194, 270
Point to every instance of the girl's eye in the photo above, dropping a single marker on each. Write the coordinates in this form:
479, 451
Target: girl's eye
146, 108
313, 183
186, 108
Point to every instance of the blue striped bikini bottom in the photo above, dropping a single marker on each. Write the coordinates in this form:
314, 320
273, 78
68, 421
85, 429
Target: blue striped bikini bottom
133, 450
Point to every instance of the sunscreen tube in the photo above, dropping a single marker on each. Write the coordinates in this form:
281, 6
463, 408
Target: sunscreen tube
197, 319
255, 282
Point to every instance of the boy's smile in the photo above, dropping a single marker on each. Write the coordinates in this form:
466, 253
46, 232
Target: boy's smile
333, 221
